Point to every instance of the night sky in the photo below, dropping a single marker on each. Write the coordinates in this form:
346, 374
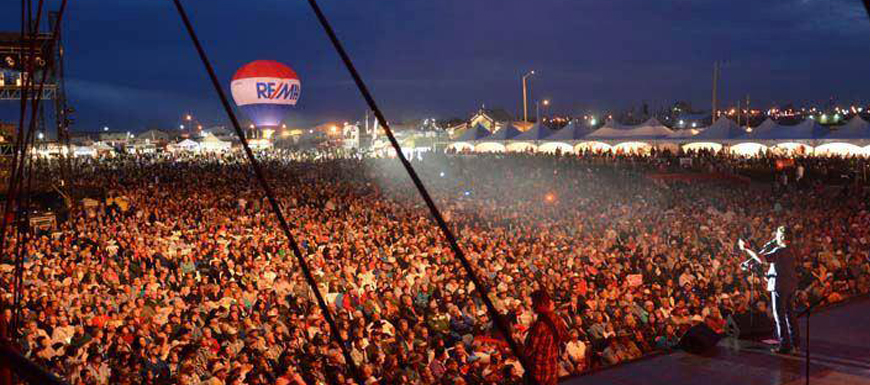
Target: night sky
130, 65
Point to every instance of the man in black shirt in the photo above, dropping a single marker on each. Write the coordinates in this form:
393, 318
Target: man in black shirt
781, 283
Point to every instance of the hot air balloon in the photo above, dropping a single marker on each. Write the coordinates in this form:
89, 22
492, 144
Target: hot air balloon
265, 90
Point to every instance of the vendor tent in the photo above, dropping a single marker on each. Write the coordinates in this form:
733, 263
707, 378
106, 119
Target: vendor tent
537, 132
186, 145
472, 134
807, 130
508, 132
723, 130
568, 133
856, 130
212, 144
765, 131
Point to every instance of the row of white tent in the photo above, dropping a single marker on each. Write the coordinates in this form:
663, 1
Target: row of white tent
807, 137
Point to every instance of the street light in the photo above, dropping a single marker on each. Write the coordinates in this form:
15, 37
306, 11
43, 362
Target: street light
525, 96
546, 103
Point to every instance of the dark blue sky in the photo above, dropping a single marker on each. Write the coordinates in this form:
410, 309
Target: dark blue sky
130, 64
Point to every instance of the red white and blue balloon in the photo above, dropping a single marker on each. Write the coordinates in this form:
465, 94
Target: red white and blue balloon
266, 90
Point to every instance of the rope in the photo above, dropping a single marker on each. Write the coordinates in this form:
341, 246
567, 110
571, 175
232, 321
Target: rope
306, 271
481, 287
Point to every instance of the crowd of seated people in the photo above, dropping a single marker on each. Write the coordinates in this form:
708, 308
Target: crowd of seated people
181, 273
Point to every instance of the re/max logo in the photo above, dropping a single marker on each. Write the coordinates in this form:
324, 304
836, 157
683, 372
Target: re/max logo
273, 90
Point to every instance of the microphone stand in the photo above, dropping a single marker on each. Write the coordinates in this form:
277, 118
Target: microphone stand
808, 311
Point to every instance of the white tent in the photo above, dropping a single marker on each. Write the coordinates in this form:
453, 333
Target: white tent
723, 130
212, 144
186, 145
855, 131
568, 134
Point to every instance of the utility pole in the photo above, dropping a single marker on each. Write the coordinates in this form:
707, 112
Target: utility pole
748, 111
715, 85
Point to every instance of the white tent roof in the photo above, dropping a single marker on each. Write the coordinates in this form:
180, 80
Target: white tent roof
570, 132
187, 143
211, 139
505, 133
537, 132
723, 129
652, 129
687, 133
856, 128
806, 130
474, 133
764, 131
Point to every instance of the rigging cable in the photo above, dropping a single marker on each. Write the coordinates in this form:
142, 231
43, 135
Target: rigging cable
482, 288
261, 177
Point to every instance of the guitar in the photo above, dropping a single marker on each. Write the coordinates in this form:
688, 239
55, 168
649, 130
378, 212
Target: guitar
755, 264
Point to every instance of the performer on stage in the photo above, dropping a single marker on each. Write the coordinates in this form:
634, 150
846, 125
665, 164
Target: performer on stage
781, 283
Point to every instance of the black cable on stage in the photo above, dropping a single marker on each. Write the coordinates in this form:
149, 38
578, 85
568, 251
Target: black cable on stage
481, 287
270, 195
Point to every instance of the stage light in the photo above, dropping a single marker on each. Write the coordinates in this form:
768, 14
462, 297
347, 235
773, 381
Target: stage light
180, 126
106, 128
467, 193
550, 198
442, 174
41, 136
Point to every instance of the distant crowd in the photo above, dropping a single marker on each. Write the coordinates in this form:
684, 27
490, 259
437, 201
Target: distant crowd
180, 273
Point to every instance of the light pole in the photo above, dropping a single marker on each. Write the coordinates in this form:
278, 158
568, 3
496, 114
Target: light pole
526, 96
546, 103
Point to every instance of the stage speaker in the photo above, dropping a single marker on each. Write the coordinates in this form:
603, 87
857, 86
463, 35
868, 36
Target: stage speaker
699, 339
755, 326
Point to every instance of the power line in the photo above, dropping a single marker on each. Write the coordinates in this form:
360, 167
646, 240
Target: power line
482, 288
261, 177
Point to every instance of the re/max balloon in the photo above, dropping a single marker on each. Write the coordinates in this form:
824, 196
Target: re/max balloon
265, 91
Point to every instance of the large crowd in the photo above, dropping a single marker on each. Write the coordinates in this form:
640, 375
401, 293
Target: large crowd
180, 273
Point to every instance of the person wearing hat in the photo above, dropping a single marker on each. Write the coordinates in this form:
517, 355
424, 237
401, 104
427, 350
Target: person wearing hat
545, 341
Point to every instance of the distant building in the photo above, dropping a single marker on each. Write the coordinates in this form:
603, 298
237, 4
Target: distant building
492, 119
155, 135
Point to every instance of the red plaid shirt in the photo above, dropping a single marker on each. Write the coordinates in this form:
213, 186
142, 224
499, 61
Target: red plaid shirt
543, 347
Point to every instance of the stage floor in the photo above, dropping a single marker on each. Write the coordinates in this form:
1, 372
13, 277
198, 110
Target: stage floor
839, 348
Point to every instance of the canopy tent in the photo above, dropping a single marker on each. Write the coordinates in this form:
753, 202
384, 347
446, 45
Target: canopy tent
568, 133
652, 129
593, 147
489, 147
554, 147
809, 129
723, 130
748, 149
684, 134
764, 131
855, 130
186, 145
537, 132
212, 144
839, 149
461, 146
521, 147
609, 131
507, 132
472, 134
